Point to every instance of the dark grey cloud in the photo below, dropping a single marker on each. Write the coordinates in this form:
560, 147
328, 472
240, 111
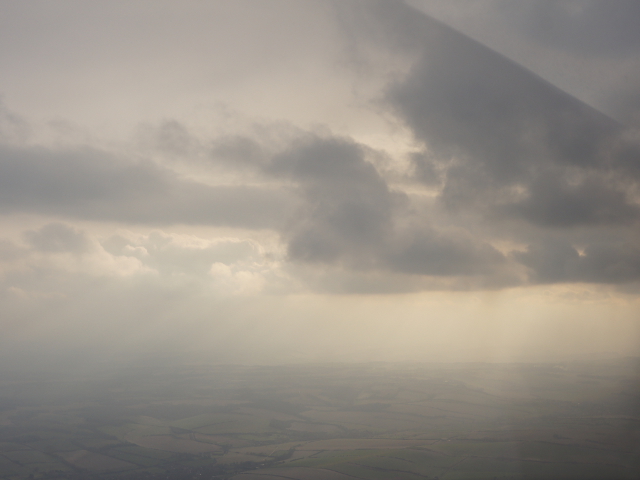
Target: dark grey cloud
349, 217
352, 218
427, 250
348, 207
509, 148
624, 102
554, 202
589, 48
581, 28
499, 133
596, 27
92, 184
556, 260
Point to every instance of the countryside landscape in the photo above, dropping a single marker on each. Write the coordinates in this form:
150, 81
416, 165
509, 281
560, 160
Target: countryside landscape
574, 420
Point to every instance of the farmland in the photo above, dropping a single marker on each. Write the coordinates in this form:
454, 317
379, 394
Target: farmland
337, 421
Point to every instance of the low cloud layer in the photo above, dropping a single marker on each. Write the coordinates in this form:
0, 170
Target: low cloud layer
91, 184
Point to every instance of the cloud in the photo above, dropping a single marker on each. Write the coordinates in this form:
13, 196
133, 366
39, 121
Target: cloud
173, 137
587, 26
128, 290
555, 261
56, 252
13, 128
351, 217
172, 254
322, 194
237, 150
92, 184
58, 257
348, 207
247, 180
504, 140
505, 163
57, 237
508, 149
492, 125
348, 215
592, 200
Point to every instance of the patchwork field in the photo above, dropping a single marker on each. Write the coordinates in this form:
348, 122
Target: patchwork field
379, 421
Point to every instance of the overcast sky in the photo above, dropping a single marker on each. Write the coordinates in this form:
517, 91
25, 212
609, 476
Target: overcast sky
273, 181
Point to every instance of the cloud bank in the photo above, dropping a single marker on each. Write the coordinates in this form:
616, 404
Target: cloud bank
448, 167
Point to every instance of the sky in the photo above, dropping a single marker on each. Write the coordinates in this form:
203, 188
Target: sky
282, 181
